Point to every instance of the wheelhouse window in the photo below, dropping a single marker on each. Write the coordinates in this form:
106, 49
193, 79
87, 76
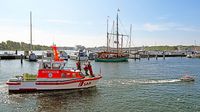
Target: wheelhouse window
56, 66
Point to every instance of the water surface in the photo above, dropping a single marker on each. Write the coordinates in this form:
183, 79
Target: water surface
140, 86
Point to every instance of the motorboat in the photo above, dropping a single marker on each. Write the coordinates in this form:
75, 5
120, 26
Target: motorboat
32, 57
52, 75
187, 78
80, 55
63, 55
92, 56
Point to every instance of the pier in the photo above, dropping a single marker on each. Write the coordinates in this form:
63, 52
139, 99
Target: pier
156, 55
7, 57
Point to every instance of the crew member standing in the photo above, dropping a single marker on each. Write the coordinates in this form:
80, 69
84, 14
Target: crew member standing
78, 65
86, 69
90, 69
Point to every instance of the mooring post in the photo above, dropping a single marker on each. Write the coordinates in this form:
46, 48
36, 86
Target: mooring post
16, 52
21, 58
163, 54
135, 57
148, 56
139, 57
156, 56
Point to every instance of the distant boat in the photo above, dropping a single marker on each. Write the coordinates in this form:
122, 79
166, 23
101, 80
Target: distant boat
187, 78
117, 54
91, 56
32, 57
189, 56
195, 55
79, 55
63, 55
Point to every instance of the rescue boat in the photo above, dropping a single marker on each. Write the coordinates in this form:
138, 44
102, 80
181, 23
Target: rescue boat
52, 75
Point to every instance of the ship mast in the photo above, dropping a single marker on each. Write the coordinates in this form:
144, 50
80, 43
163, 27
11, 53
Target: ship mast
130, 40
113, 32
107, 35
117, 35
122, 44
30, 31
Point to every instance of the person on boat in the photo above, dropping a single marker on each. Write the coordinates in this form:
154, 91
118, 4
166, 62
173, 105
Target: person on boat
90, 69
48, 66
86, 69
78, 65
44, 65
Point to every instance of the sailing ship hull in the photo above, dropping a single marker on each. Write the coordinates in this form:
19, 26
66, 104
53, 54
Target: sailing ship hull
121, 59
27, 86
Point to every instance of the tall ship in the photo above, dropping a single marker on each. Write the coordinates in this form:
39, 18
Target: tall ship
113, 54
53, 74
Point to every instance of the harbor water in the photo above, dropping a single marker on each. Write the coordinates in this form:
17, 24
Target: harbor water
134, 86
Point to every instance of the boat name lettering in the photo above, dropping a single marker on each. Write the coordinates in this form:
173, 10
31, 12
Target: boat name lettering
86, 83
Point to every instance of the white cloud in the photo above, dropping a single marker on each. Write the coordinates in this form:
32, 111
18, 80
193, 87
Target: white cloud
22, 34
163, 17
43, 37
60, 21
152, 27
72, 22
188, 29
170, 26
14, 33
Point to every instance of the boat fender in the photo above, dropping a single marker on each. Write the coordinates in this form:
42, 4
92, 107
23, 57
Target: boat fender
63, 75
13, 80
73, 75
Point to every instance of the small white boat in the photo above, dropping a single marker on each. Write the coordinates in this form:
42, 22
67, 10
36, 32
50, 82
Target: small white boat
187, 78
32, 57
63, 55
79, 55
189, 56
92, 56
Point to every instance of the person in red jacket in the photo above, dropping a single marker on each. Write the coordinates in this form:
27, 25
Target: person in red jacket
86, 69
78, 65
90, 69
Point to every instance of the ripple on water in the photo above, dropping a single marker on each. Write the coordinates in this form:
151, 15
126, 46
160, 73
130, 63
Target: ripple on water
133, 86
126, 82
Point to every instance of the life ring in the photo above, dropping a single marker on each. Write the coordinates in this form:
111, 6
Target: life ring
50, 75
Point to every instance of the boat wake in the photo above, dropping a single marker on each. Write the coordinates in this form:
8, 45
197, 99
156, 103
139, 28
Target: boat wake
159, 81
2, 84
133, 82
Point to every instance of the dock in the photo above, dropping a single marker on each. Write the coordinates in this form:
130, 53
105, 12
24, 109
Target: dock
172, 55
9, 56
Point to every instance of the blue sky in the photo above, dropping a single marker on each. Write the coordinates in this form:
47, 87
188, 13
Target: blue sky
73, 22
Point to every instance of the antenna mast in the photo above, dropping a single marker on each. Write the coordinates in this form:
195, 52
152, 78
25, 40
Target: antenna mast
117, 34
107, 35
30, 31
130, 39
